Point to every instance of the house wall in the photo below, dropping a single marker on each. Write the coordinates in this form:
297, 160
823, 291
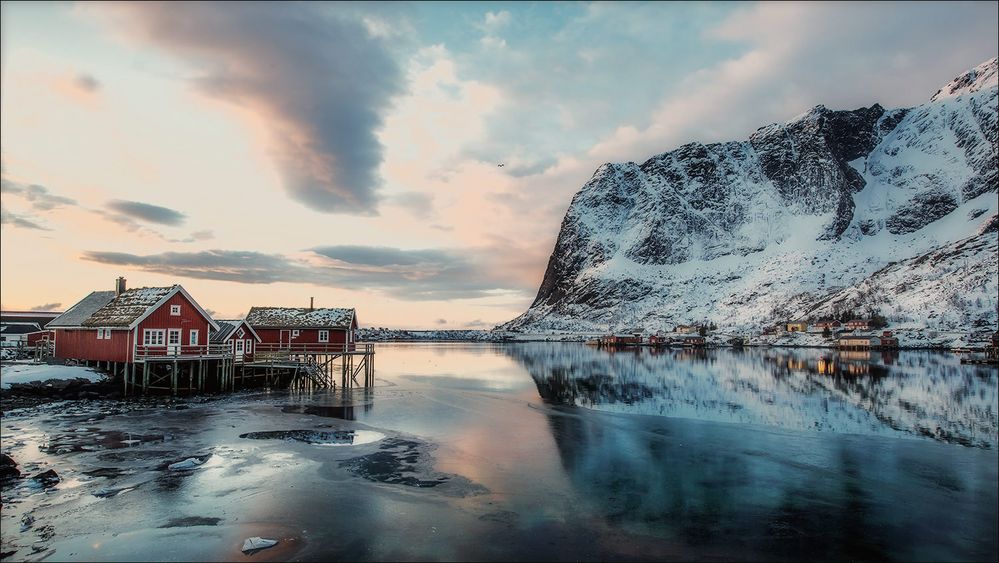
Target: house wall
305, 335
188, 320
83, 344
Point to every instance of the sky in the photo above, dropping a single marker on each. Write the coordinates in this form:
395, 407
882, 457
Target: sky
264, 154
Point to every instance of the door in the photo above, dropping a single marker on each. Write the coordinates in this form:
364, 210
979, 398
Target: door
239, 350
173, 341
285, 338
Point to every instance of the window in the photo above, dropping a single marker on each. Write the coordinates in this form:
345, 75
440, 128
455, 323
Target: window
152, 337
104, 334
239, 346
175, 310
324, 336
194, 338
249, 346
240, 333
294, 334
173, 336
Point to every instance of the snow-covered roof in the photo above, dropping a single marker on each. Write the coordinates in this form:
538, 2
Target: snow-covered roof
300, 317
127, 307
19, 328
82, 310
227, 327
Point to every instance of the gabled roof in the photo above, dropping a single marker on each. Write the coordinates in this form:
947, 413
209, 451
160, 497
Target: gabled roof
134, 305
124, 309
82, 310
127, 310
19, 328
228, 327
300, 317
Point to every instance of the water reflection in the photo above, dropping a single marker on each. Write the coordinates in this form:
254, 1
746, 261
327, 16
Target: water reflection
907, 393
773, 494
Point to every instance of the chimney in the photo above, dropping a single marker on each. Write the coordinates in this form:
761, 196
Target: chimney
312, 302
119, 286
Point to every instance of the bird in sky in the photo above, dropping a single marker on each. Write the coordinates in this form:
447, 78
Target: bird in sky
501, 165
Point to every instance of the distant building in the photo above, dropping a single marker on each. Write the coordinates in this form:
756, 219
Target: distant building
821, 326
15, 335
691, 341
797, 326
866, 341
15, 326
622, 339
858, 324
888, 340
687, 329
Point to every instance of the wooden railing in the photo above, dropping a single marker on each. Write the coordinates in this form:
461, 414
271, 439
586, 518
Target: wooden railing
306, 348
143, 351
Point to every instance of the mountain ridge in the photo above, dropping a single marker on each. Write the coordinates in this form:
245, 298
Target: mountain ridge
695, 233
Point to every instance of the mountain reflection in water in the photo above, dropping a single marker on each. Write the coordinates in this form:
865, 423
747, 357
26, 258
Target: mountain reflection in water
890, 393
814, 487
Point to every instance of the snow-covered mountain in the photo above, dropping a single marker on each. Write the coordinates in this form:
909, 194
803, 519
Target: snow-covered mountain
833, 210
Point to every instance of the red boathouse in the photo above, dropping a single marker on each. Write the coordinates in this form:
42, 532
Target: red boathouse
304, 329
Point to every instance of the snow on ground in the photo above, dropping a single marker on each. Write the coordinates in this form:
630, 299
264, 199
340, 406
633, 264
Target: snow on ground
26, 373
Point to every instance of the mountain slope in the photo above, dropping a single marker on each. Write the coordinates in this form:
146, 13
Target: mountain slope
743, 233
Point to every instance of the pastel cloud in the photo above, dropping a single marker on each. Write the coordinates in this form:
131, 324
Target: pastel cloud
148, 212
318, 80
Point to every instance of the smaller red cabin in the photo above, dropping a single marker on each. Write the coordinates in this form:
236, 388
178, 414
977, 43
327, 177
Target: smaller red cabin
240, 338
304, 329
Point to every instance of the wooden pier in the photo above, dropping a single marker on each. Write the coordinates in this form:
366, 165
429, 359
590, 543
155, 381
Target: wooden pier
311, 365
217, 368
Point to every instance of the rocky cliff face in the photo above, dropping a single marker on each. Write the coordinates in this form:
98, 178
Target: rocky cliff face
781, 223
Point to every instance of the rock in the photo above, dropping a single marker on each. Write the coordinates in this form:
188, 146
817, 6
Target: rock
8, 468
257, 543
47, 478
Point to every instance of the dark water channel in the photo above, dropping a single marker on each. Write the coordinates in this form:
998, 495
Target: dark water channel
532, 451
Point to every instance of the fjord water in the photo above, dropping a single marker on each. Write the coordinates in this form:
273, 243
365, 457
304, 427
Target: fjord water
541, 451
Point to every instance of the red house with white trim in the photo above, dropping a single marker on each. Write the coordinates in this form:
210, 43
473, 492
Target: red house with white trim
304, 328
123, 326
239, 336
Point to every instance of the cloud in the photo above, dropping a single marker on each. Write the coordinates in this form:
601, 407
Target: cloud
20, 221
87, 83
418, 204
414, 275
40, 197
148, 212
387, 256
315, 76
47, 307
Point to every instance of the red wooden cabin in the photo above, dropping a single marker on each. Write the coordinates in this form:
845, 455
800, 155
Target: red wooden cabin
125, 326
304, 329
238, 337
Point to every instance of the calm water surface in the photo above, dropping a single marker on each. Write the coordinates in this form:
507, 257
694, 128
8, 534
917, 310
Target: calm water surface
534, 451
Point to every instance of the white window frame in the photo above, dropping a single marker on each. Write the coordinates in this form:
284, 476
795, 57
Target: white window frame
100, 334
175, 310
295, 333
249, 346
153, 337
170, 333
239, 346
324, 336
192, 338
